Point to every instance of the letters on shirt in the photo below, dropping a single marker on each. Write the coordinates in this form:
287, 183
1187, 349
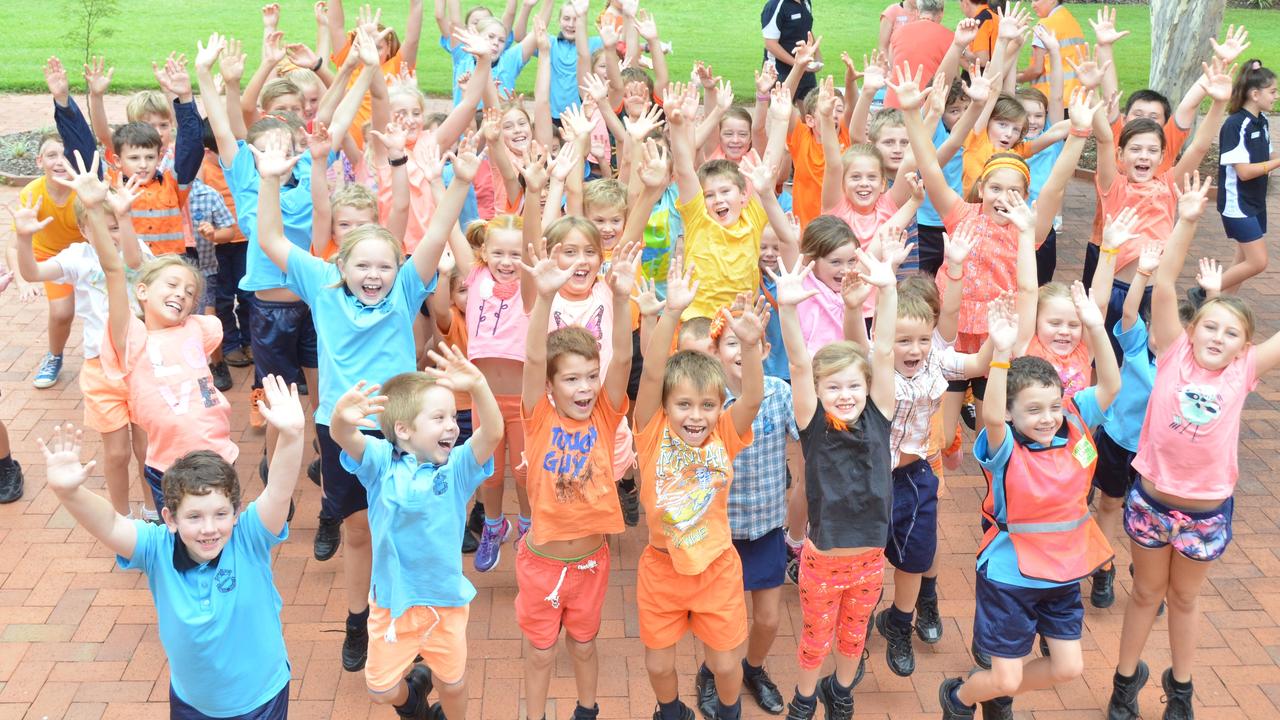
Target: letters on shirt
178, 395
570, 461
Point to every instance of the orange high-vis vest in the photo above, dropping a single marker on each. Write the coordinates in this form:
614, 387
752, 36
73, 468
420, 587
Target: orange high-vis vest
1046, 492
1073, 46
157, 215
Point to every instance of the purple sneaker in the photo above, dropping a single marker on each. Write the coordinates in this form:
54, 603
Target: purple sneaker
490, 550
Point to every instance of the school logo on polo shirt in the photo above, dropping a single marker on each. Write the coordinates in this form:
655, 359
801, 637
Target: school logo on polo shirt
224, 580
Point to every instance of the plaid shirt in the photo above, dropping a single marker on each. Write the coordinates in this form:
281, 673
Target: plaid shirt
758, 496
919, 397
206, 205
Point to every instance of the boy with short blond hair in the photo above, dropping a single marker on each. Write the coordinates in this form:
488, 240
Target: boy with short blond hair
419, 484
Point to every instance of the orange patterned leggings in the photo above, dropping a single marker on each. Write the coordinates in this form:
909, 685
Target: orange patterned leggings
838, 593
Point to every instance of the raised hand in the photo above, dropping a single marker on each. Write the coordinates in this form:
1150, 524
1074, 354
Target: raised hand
206, 54
593, 87
1104, 27
1086, 308
682, 288
89, 188
357, 404
430, 159
981, 85
393, 139
907, 87
96, 78
875, 72
1088, 71
806, 53
548, 276
451, 369
649, 120
473, 43
646, 297
826, 106
647, 26
273, 52
534, 167
761, 176
1149, 260
1084, 104
1193, 197
854, 291
270, 16
26, 219
55, 77
1216, 80
282, 409
655, 166
1209, 277
63, 471
491, 127
466, 161
1018, 212
121, 198
274, 159
790, 282
1120, 229
956, 248
966, 32
766, 77
301, 55
232, 65
173, 77
894, 249
366, 44
1002, 323
780, 106
877, 272
320, 143
566, 159
1237, 42
1047, 38
624, 269
749, 324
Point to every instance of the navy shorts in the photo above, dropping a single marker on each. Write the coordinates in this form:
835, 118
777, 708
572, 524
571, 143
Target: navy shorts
979, 385
464, 427
283, 339
637, 366
343, 494
930, 242
1114, 473
277, 708
1007, 617
764, 560
1115, 306
1245, 229
913, 522
155, 481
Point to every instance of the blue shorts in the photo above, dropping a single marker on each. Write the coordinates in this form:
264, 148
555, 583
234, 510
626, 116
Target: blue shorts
277, 708
1245, 229
913, 521
342, 494
1007, 617
464, 427
155, 481
764, 560
283, 339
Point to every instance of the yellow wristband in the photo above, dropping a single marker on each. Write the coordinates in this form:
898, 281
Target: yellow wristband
1105, 251
1002, 364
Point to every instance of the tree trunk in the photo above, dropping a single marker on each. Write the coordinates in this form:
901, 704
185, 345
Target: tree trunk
1180, 32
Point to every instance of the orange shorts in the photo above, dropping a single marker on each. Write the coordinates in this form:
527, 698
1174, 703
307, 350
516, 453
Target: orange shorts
710, 603
554, 594
438, 634
106, 400
512, 426
53, 291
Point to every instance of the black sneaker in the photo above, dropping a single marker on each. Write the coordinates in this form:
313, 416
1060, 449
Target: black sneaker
221, 376
708, 701
969, 414
685, 713
328, 538
928, 620
898, 652
630, 501
801, 709
355, 648
1124, 694
581, 713
475, 520
838, 705
793, 564
764, 690
982, 659
469, 542
952, 710
419, 682
1000, 708
11, 483
313, 472
436, 713
1159, 610
1103, 593
1177, 700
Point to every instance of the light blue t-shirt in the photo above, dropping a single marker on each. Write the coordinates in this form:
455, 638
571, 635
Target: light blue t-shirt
564, 72
775, 363
295, 207
953, 171
1041, 165
998, 559
356, 341
219, 621
505, 70
417, 512
1137, 377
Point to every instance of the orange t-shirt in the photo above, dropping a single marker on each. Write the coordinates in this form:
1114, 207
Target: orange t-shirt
1156, 202
809, 163
988, 31
685, 490
990, 269
570, 466
977, 151
391, 66
456, 336
211, 175
1175, 137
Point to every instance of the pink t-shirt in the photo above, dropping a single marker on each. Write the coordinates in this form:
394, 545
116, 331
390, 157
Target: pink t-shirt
421, 204
1192, 431
594, 312
865, 224
497, 325
821, 316
171, 392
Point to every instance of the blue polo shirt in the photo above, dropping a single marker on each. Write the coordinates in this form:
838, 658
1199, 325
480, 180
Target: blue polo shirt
416, 515
775, 363
1041, 166
357, 341
505, 69
564, 72
219, 621
1137, 377
998, 560
243, 181
953, 171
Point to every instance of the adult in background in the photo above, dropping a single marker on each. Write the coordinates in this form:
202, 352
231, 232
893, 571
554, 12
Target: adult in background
988, 29
895, 16
1058, 20
923, 42
785, 24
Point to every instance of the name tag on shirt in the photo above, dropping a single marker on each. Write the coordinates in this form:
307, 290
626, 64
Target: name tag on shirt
1256, 134
797, 16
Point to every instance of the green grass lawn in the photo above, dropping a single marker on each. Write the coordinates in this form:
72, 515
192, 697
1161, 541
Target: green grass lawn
725, 33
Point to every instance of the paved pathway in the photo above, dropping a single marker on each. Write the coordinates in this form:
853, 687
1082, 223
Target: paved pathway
78, 636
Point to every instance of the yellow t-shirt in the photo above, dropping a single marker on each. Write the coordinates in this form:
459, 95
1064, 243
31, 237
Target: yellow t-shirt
727, 258
59, 234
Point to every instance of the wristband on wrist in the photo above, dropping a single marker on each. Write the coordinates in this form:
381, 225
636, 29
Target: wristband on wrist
1143, 273
319, 64
1001, 364
1108, 251
955, 279
765, 97
397, 162
1082, 133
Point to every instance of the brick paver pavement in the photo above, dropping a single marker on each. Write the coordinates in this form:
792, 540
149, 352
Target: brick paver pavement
78, 637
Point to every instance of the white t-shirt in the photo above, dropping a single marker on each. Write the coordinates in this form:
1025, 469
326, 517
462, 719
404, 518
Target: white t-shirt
82, 270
